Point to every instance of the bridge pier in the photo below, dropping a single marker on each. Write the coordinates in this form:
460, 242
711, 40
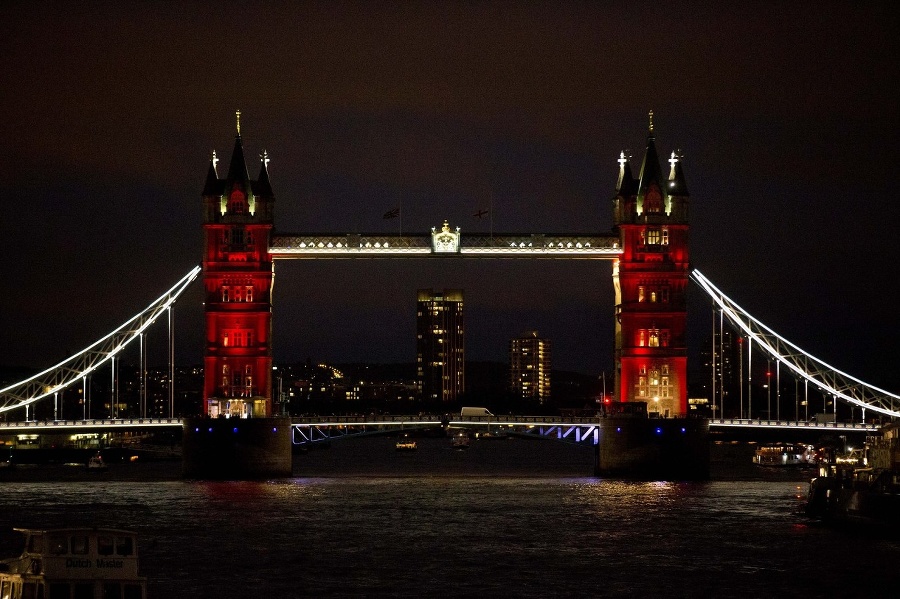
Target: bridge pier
653, 448
236, 448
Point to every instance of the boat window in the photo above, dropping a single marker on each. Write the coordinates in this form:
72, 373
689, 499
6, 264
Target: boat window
124, 546
133, 591
104, 545
112, 590
83, 590
34, 544
5, 589
79, 544
58, 544
59, 590
29, 590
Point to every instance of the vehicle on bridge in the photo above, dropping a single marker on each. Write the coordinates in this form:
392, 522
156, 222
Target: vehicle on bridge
92, 563
472, 411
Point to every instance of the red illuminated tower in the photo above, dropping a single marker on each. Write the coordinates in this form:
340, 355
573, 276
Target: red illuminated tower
238, 216
651, 278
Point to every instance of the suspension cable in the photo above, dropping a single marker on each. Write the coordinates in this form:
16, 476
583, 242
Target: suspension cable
73, 369
826, 377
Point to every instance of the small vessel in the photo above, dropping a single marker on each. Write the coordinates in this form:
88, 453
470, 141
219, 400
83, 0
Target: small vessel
785, 454
88, 563
406, 444
95, 464
460, 441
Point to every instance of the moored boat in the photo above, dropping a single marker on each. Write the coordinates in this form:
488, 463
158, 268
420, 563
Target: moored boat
785, 454
460, 441
86, 563
861, 490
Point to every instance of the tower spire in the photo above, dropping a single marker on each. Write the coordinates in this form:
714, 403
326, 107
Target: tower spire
650, 130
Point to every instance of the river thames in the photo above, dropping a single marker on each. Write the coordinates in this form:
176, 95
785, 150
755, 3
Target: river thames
513, 518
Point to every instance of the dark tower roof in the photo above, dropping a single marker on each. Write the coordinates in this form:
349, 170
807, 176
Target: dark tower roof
650, 171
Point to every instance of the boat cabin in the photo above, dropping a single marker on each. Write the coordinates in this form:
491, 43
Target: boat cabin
74, 563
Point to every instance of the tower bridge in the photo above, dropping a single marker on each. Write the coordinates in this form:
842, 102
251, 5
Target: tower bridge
647, 248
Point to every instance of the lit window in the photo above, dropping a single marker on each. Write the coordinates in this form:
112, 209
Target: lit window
248, 293
665, 236
653, 236
641, 293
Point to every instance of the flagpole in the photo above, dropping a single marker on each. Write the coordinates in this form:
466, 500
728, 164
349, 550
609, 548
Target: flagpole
401, 213
491, 209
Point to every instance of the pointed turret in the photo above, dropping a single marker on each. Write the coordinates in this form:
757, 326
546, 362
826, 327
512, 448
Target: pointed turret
262, 187
626, 185
212, 187
650, 171
237, 170
677, 185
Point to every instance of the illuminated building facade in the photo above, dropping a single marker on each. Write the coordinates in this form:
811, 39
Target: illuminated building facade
651, 278
529, 367
237, 276
440, 344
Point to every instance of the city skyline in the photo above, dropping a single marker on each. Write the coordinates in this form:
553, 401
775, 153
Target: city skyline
444, 111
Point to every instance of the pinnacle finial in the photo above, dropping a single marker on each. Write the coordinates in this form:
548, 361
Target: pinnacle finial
264, 157
214, 159
651, 122
237, 114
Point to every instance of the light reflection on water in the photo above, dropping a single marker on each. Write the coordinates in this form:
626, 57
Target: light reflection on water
445, 533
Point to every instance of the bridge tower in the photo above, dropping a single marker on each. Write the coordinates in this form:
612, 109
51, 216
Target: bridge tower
238, 218
650, 279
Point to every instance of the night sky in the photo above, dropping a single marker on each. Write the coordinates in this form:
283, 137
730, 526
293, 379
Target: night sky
785, 114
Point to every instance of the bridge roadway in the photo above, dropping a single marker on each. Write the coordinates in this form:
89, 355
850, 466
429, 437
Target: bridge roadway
315, 429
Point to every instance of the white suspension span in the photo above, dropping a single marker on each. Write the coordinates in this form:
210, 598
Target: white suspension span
825, 377
73, 369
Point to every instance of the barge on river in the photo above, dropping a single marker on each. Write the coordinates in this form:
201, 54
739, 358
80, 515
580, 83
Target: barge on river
74, 563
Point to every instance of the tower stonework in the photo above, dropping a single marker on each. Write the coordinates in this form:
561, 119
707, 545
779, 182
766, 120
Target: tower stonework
650, 279
238, 218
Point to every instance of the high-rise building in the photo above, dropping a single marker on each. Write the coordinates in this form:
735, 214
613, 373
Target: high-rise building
440, 344
529, 367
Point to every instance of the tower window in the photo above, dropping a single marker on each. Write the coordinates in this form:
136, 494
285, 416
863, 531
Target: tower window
236, 203
653, 236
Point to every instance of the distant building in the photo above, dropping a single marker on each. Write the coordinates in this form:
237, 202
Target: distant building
529, 367
440, 344
721, 371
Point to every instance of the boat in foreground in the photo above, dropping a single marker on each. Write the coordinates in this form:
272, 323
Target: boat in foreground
82, 563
